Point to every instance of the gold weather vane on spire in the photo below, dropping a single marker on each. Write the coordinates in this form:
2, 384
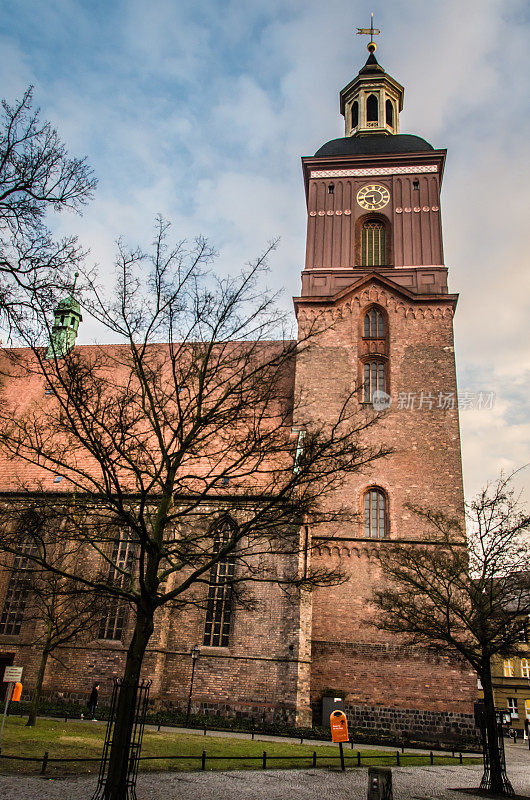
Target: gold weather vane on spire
371, 32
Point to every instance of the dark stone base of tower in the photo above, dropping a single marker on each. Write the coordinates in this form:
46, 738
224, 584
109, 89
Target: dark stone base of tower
375, 286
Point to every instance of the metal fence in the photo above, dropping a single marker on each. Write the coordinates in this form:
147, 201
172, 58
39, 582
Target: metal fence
351, 759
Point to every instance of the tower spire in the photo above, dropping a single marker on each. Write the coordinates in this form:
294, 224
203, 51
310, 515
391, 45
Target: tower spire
67, 316
371, 102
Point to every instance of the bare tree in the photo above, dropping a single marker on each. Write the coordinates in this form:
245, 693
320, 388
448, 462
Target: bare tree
37, 177
193, 416
464, 594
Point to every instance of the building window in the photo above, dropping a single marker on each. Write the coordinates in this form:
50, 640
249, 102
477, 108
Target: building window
373, 244
372, 109
527, 708
512, 707
354, 114
374, 514
525, 668
389, 113
17, 590
374, 325
113, 623
508, 668
523, 633
373, 379
219, 607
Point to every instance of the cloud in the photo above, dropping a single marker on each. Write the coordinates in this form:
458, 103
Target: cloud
201, 111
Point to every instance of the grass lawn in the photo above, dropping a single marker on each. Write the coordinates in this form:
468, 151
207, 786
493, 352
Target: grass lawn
84, 739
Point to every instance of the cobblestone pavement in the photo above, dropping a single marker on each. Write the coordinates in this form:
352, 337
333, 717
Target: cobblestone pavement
410, 783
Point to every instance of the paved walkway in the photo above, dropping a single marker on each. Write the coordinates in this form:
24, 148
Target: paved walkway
410, 783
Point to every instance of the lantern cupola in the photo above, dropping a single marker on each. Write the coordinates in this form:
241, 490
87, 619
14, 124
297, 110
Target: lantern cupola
372, 101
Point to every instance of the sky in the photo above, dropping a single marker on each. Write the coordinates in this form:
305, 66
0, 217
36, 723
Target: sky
200, 110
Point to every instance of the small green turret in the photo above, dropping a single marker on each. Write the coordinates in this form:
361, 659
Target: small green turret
67, 316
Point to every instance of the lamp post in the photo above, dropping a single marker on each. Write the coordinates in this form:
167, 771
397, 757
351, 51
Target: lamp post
195, 653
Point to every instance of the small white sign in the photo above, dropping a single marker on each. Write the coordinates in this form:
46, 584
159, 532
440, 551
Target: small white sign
12, 674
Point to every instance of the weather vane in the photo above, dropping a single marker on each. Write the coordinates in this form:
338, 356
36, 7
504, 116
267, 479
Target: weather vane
371, 32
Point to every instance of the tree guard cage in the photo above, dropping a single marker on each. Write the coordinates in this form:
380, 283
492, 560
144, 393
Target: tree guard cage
142, 699
485, 783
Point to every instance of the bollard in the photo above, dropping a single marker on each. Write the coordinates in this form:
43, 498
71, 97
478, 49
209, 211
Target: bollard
379, 783
431, 756
205, 732
158, 727
264, 762
514, 734
314, 758
397, 758
44, 763
358, 758
203, 761
460, 758
301, 739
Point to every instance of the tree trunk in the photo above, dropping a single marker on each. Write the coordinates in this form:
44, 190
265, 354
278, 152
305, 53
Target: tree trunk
32, 718
116, 782
490, 719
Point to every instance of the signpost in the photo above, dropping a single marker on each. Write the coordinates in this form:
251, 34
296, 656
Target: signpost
339, 732
12, 676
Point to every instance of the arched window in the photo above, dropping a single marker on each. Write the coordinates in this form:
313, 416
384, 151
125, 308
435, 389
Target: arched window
18, 589
373, 244
374, 325
374, 379
389, 113
374, 514
114, 621
372, 109
219, 608
354, 114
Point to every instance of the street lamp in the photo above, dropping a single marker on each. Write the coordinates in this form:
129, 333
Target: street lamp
195, 653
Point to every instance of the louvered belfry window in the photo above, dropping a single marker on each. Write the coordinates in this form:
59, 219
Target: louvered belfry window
219, 607
17, 591
374, 379
373, 244
113, 623
374, 514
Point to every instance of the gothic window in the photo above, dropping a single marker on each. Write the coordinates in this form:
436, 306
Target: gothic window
374, 379
374, 325
113, 623
373, 244
354, 114
389, 113
372, 111
374, 514
17, 591
219, 607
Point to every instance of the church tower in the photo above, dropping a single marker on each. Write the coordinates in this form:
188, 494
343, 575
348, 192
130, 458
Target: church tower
375, 286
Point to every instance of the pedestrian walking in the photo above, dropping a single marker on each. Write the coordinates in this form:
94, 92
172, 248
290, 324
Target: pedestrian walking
93, 701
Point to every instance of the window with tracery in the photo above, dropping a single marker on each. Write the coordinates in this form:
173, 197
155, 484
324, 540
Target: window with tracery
373, 244
219, 607
17, 590
374, 379
374, 325
114, 621
374, 514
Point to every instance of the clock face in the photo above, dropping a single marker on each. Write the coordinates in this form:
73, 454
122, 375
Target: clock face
373, 196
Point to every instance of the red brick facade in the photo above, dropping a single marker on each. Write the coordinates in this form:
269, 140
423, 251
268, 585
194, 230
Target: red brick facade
285, 655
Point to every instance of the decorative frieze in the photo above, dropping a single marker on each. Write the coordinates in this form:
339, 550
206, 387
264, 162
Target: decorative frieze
360, 172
